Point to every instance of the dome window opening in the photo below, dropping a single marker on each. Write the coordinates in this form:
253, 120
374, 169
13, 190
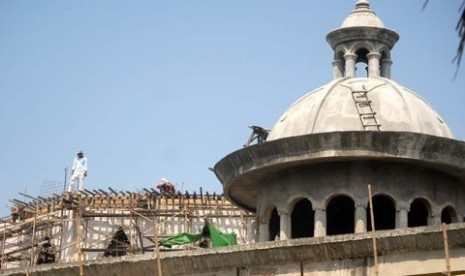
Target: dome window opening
448, 215
274, 225
420, 211
303, 218
384, 213
340, 216
361, 63
361, 70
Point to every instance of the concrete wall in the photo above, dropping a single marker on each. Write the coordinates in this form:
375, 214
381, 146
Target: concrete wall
243, 172
321, 182
401, 252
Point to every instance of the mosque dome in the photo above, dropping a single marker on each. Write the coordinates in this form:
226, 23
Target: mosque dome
360, 104
373, 102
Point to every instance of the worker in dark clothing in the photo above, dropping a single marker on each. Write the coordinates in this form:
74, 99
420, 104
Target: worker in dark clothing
258, 133
166, 187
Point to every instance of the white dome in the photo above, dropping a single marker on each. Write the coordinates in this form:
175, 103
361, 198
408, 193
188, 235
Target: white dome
332, 108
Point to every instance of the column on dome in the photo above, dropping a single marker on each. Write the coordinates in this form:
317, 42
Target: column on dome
338, 69
350, 60
373, 64
386, 68
285, 225
320, 222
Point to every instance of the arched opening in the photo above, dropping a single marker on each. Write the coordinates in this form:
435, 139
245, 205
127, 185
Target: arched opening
340, 216
448, 215
419, 212
303, 218
385, 55
384, 213
274, 226
119, 244
361, 64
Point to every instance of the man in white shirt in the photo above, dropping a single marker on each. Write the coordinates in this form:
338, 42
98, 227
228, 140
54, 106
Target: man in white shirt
78, 171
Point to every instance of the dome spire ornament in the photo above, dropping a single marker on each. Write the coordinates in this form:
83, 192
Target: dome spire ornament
362, 4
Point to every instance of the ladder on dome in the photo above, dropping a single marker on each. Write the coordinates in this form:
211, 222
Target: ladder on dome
364, 109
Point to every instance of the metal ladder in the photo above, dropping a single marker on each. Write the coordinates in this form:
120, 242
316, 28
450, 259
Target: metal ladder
363, 105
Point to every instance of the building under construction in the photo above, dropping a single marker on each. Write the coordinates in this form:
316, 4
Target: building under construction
359, 177
89, 225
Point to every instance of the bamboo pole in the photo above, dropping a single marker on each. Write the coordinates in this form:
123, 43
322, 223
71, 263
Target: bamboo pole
79, 238
157, 249
185, 219
61, 230
373, 231
31, 261
446, 248
31, 256
3, 245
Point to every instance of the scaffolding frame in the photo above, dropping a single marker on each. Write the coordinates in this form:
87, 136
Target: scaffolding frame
56, 216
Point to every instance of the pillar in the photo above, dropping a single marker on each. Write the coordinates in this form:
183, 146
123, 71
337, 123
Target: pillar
435, 218
402, 217
350, 64
263, 231
320, 222
386, 68
284, 225
338, 69
360, 219
373, 64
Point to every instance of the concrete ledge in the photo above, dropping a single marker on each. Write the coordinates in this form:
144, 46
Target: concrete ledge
309, 250
242, 171
342, 35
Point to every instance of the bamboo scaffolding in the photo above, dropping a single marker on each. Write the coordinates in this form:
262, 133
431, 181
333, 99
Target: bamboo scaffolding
157, 249
31, 263
79, 239
446, 248
373, 231
60, 254
126, 207
3, 245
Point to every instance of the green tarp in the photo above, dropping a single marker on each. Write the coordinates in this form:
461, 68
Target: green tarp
180, 239
221, 239
217, 238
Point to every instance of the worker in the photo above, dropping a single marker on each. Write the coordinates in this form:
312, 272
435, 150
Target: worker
258, 133
78, 171
166, 187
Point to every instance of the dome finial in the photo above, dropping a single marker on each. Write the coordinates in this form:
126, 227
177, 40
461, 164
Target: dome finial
362, 4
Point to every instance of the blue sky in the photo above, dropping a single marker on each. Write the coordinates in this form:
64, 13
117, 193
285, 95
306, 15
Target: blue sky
152, 89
